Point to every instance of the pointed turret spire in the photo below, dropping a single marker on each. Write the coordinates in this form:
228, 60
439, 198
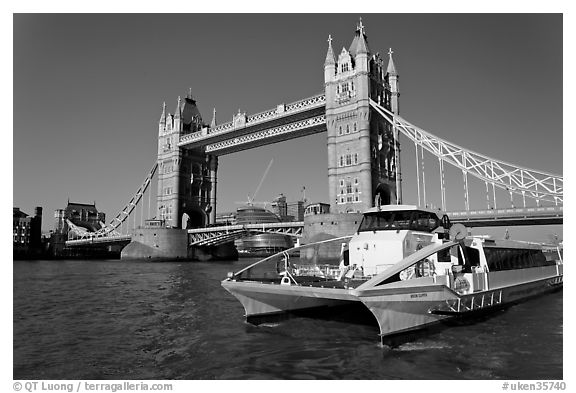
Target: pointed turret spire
178, 111
362, 46
391, 67
163, 115
330, 59
213, 123
393, 80
361, 26
359, 43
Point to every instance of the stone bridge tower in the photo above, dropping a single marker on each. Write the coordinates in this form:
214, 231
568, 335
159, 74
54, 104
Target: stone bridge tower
362, 152
186, 177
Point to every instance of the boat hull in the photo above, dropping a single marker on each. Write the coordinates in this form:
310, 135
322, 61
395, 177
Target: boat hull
264, 299
401, 310
397, 310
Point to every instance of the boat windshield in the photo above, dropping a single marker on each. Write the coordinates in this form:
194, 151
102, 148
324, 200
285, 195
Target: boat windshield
415, 220
325, 263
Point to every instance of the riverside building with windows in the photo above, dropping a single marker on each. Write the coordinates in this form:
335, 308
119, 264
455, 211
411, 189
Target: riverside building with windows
26, 233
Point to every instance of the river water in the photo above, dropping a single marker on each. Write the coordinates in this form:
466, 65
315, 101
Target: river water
173, 320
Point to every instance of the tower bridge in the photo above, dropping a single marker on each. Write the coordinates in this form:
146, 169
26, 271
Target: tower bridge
359, 112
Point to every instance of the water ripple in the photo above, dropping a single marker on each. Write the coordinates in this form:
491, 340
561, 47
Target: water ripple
118, 320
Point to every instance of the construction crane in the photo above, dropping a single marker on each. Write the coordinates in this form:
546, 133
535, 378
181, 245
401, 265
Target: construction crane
251, 201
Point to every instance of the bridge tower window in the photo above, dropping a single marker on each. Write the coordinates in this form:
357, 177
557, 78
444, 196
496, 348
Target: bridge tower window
169, 212
347, 129
340, 130
345, 67
355, 158
349, 187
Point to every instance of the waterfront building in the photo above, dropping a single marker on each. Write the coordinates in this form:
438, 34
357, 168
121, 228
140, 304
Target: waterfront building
279, 206
316, 208
296, 210
226, 219
26, 232
80, 214
261, 244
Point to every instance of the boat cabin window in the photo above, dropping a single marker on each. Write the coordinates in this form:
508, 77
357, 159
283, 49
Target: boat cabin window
423, 268
439, 263
399, 220
514, 258
472, 257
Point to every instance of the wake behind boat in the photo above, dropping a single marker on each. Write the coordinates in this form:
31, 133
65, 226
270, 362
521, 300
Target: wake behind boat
407, 265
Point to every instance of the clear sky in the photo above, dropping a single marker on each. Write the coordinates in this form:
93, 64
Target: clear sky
88, 92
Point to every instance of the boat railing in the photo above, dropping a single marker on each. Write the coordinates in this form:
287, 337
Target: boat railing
554, 252
382, 267
321, 260
469, 303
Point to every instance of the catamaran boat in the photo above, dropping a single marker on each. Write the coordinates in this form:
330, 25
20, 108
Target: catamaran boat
407, 265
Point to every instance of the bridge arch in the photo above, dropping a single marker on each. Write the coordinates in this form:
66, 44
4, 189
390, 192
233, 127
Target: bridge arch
194, 218
384, 194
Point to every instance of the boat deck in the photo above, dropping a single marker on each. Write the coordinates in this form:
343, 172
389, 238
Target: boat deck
311, 281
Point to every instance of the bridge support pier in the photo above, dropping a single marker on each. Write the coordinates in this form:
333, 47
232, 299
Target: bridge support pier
170, 244
329, 226
157, 244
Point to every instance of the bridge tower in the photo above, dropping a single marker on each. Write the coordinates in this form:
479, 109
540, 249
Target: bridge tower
362, 151
186, 177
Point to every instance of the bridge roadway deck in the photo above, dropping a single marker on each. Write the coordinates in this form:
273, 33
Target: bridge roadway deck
304, 117
102, 240
551, 215
474, 218
227, 233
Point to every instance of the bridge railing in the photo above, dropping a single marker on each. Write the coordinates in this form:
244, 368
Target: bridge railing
280, 111
216, 229
527, 213
226, 233
98, 240
263, 226
266, 134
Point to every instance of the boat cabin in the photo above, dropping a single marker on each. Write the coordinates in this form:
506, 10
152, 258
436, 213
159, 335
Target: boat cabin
400, 246
390, 233
463, 264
